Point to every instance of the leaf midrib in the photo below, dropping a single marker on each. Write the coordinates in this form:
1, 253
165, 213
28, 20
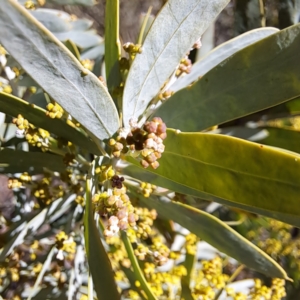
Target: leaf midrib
158, 56
50, 61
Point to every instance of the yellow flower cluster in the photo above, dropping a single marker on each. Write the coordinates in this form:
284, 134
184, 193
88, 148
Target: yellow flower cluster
54, 111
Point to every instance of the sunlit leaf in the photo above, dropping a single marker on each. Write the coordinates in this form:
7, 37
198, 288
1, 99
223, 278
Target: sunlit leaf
220, 53
174, 31
234, 172
259, 76
56, 70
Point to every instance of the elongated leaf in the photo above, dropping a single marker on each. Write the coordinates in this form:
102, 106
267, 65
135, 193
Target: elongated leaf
219, 235
56, 70
99, 263
136, 171
94, 53
82, 39
257, 77
220, 53
112, 45
178, 26
73, 48
136, 267
52, 19
37, 116
12, 161
278, 137
235, 172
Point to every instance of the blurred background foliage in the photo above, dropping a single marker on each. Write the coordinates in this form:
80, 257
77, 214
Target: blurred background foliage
25, 263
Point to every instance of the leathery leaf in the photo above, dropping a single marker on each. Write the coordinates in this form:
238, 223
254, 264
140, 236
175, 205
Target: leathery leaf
217, 234
234, 172
177, 27
56, 70
13, 106
257, 77
12, 161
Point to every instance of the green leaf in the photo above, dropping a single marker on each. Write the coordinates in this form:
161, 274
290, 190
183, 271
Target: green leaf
257, 77
217, 234
294, 106
99, 263
136, 171
56, 70
174, 31
136, 267
82, 39
283, 138
93, 53
220, 53
73, 48
12, 161
52, 19
13, 106
234, 172
112, 45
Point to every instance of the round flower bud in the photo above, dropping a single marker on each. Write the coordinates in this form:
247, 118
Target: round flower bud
144, 164
155, 165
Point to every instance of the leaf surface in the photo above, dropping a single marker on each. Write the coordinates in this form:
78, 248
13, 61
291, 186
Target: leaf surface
177, 27
220, 53
259, 76
56, 70
12, 161
218, 234
112, 45
13, 106
234, 172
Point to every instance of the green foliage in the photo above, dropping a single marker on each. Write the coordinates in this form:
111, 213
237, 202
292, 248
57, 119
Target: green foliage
100, 212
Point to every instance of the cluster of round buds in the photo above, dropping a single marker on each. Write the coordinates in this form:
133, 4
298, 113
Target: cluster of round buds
118, 146
88, 64
38, 137
64, 243
160, 251
147, 189
117, 207
148, 140
132, 49
165, 95
145, 222
17, 183
54, 111
14, 183
29, 5
22, 124
185, 66
105, 172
